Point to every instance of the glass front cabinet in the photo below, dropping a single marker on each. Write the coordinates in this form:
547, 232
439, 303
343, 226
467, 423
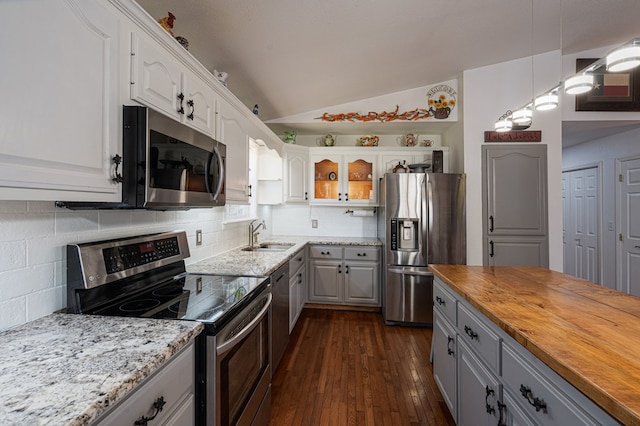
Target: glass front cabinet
344, 180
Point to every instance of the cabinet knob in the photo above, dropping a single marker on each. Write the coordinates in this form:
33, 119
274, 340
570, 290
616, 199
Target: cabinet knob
440, 300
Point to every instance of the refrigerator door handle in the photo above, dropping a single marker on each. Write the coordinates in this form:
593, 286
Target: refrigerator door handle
410, 272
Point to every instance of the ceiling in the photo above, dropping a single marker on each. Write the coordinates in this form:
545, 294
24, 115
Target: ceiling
291, 57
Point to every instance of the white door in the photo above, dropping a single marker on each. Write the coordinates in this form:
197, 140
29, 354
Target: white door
581, 219
629, 196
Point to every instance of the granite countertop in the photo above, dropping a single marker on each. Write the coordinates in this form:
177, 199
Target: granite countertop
260, 263
587, 333
68, 369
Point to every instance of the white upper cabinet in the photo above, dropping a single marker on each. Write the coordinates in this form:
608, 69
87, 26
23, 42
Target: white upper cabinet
160, 81
60, 117
233, 131
349, 179
296, 165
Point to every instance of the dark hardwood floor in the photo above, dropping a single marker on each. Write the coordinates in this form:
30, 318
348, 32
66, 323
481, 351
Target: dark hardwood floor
349, 368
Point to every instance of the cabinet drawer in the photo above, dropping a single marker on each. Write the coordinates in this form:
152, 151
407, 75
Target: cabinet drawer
361, 253
444, 301
479, 337
326, 252
297, 261
532, 388
174, 383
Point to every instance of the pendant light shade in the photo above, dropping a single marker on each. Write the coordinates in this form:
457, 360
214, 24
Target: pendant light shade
623, 58
503, 125
522, 116
546, 102
578, 84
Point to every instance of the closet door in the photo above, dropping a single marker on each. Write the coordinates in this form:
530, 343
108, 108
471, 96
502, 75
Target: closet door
581, 223
515, 204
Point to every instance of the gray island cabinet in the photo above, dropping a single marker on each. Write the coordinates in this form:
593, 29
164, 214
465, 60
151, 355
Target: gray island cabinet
484, 374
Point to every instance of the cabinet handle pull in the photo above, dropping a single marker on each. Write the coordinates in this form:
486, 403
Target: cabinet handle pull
181, 108
501, 408
250, 189
339, 196
339, 269
490, 223
537, 403
346, 196
346, 269
117, 177
306, 195
449, 341
193, 109
362, 254
470, 332
440, 300
489, 408
157, 404
326, 253
491, 248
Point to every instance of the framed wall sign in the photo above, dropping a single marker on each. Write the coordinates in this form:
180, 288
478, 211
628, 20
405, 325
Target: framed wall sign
619, 91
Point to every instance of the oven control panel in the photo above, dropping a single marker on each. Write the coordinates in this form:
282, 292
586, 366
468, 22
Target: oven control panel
129, 256
90, 265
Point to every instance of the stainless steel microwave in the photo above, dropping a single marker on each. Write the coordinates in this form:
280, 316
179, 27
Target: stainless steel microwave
165, 165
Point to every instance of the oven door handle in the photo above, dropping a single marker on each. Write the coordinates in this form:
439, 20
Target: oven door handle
229, 344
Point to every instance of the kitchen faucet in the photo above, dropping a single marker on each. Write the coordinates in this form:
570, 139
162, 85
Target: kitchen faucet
253, 232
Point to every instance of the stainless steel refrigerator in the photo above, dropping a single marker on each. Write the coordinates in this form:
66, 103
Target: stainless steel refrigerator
421, 221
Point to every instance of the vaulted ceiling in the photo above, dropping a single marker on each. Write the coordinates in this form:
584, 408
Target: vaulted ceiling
296, 56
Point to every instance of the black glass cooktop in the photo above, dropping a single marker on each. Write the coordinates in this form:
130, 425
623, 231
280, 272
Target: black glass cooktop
204, 298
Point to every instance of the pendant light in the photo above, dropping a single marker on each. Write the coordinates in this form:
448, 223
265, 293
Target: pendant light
523, 116
547, 101
624, 58
578, 84
504, 123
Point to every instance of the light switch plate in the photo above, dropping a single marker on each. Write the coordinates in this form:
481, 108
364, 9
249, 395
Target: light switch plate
314, 223
199, 237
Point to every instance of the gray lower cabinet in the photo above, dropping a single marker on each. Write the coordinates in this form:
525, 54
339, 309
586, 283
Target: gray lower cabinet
445, 361
479, 390
297, 286
348, 275
173, 383
486, 377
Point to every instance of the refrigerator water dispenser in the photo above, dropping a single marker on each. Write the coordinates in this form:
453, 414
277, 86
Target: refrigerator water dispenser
404, 234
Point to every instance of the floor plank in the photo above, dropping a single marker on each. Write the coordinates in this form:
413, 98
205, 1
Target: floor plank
349, 368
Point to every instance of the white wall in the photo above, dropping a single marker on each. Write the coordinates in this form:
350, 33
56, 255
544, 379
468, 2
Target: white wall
605, 152
332, 222
488, 93
33, 238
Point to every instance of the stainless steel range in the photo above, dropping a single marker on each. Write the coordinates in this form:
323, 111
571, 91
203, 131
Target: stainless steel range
145, 276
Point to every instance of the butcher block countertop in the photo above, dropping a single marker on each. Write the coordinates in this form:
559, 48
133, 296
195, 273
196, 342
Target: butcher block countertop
588, 334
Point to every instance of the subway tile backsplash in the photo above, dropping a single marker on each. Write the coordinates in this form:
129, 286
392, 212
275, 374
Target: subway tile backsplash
34, 235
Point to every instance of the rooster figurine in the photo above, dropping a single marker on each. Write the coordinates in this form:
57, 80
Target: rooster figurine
167, 22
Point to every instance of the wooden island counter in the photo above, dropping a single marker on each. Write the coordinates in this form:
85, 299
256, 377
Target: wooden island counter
588, 334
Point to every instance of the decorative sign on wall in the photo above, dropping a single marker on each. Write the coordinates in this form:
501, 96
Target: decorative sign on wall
618, 91
441, 100
513, 136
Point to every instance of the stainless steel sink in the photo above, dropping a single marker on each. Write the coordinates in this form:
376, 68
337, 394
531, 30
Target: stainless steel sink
270, 247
